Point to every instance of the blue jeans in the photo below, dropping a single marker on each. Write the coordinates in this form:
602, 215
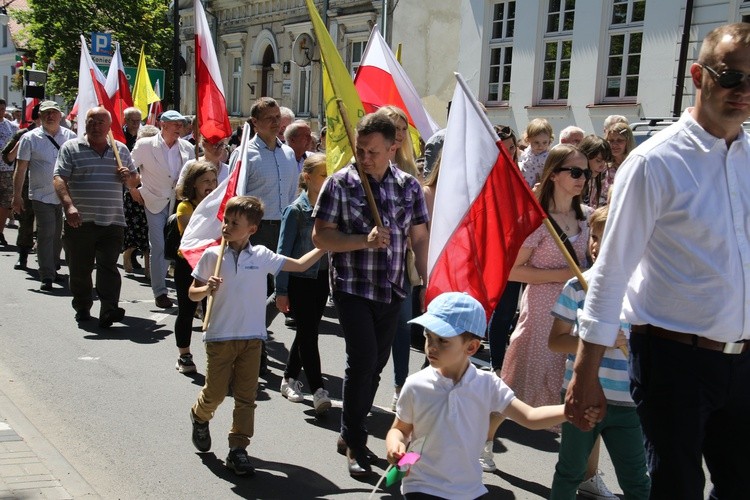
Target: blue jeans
402, 341
159, 264
693, 403
369, 327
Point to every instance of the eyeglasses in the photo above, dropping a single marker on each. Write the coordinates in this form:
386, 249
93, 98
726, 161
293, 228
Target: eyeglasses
729, 78
576, 172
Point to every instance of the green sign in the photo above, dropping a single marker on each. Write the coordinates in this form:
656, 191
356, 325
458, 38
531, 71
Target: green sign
156, 75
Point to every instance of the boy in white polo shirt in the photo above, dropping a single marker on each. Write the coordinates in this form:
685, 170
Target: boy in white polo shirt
448, 402
237, 327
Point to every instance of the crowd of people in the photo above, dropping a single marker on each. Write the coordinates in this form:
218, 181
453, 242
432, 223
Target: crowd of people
659, 377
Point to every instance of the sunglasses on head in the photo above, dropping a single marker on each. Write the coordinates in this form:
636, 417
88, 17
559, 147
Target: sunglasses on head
504, 132
729, 78
576, 172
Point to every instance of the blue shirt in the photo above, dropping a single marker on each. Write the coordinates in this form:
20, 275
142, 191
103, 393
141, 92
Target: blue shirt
272, 176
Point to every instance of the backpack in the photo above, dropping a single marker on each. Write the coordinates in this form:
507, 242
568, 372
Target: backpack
172, 238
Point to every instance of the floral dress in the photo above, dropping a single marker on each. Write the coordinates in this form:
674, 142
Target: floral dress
533, 371
136, 229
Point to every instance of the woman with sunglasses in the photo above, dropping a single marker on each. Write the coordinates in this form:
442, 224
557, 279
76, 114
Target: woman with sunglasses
530, 368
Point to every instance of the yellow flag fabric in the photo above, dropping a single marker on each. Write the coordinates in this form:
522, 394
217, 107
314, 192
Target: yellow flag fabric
337, 84
143, 91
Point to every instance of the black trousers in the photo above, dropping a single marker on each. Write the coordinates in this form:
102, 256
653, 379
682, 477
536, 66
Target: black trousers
693, 403
369, 328
90, 247
183, 324
307, 298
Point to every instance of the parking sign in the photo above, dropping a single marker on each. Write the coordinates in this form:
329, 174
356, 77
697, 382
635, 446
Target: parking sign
101, 44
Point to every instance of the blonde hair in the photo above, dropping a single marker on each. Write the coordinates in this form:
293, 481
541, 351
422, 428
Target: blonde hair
539, 126
308, 167
624, 130
598, 218
405, 154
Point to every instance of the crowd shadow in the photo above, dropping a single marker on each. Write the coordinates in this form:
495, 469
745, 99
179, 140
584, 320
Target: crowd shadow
543, 440
132, 328
280, 480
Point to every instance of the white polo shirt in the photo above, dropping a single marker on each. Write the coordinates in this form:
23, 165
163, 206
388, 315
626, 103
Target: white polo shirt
454, 420
239, 308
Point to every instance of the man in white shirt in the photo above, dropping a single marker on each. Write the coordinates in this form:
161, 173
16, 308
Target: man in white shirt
676, 246
160, 159
37, 152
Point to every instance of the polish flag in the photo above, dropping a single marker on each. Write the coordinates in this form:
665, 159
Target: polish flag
30, 103
381, 81
204, 228
484, 210
213, 119
91, 93
154, 109
117, 86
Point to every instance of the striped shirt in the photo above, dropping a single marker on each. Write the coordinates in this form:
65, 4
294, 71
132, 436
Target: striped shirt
613, 372
374, 274
95, 187
271, 176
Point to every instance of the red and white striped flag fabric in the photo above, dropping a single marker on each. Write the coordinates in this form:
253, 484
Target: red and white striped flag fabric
484, 210
91, 93
204, 228
213, 119
381, 80
117, 86
154, 109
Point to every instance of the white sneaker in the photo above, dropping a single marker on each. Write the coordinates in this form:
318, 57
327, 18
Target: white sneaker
292, 390
487, 458
321, 401
596, 489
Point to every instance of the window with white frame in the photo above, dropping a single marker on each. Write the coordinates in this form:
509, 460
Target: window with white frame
356, 51
236, 86
744, 14
558, 47
625, 36
500, 51
303, 91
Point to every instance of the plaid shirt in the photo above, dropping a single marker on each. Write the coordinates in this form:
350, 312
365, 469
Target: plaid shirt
371, 273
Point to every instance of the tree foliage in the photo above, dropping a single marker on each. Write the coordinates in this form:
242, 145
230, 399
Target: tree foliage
52, 31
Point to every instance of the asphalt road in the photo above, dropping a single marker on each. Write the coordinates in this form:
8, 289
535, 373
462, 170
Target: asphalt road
113, 405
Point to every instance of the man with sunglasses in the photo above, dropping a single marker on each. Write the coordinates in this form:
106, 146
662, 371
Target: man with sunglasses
677, 247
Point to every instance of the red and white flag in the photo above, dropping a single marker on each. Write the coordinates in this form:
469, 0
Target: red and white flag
484, 210
204, 228
213, 119
117, 86
30, 103
154, 109
381, 80
91, 93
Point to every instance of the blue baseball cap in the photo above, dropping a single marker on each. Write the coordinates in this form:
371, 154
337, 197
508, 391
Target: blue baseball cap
452, 313
172, 116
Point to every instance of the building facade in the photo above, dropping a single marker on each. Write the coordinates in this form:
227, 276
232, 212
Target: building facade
573, 62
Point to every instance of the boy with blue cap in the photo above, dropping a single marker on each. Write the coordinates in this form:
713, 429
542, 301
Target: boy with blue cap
447, 403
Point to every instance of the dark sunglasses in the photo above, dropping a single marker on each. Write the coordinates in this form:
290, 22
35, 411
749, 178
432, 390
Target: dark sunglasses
729, 78
504, 132
576, 172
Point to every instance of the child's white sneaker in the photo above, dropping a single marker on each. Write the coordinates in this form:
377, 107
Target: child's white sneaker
595, 488
487, 458
292, 390
321, 401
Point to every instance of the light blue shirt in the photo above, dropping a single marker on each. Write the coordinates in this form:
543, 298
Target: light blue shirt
272, 176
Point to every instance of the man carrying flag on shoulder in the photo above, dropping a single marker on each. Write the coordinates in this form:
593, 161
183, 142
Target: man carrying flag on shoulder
368, 269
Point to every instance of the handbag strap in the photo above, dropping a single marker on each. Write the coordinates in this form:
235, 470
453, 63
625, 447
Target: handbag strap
564, 237
53, 141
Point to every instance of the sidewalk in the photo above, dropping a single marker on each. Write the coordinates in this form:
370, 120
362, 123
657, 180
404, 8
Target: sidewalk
30, 466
